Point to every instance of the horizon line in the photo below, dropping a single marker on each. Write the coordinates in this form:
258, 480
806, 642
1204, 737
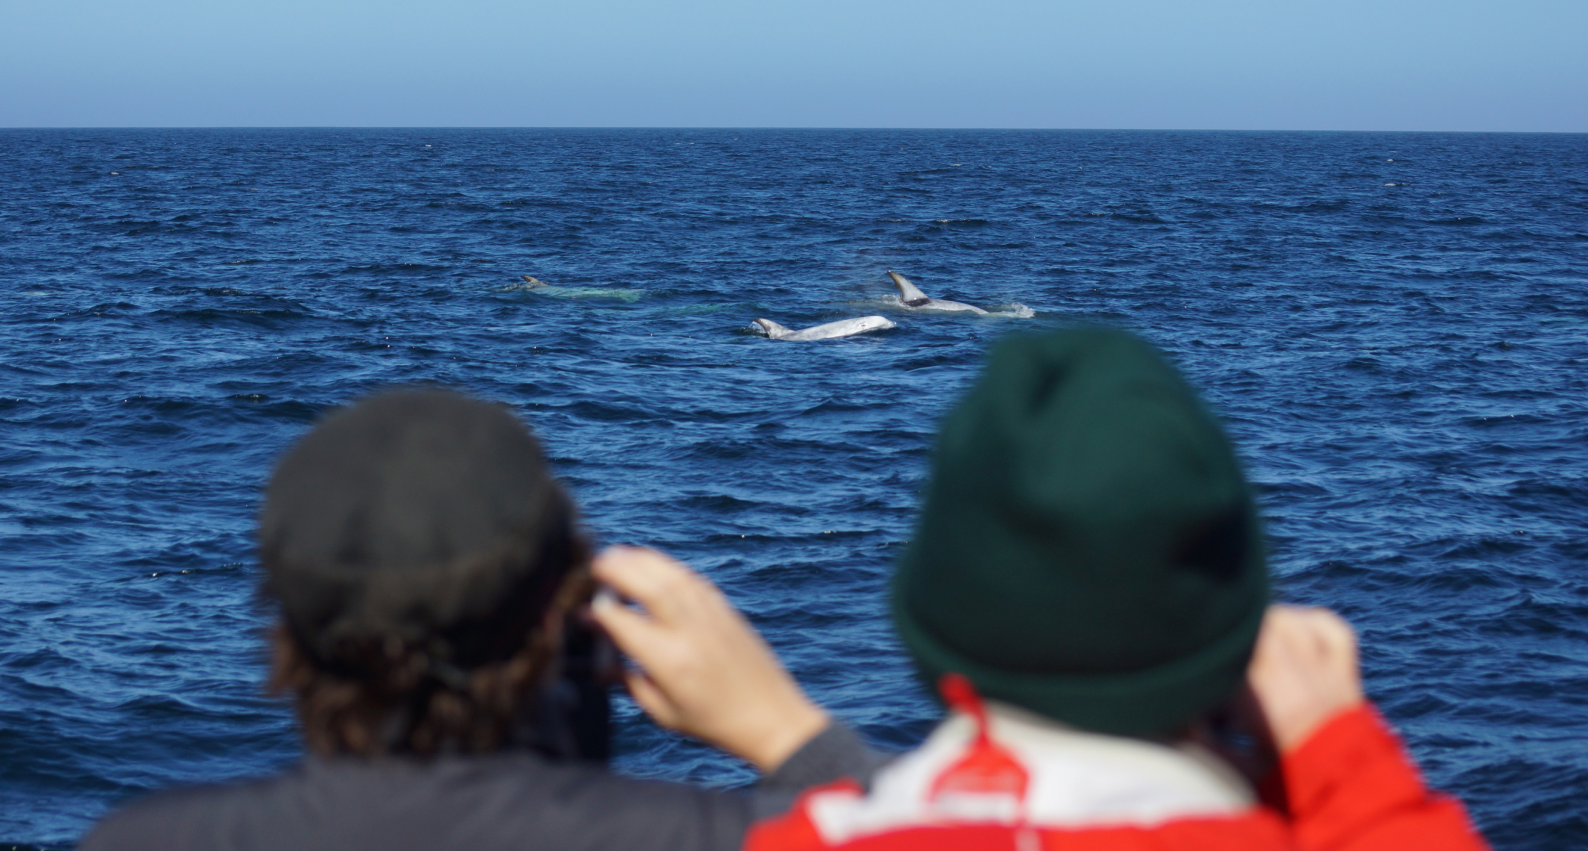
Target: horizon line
732, 128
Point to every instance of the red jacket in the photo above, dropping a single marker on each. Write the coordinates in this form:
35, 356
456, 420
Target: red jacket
1350, 786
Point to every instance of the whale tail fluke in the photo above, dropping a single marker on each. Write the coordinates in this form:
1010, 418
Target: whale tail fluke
772, 329
908, 292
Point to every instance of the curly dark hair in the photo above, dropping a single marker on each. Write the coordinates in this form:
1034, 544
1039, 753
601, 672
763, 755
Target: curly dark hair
388, 696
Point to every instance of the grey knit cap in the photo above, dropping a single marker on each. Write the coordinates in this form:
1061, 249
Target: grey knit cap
424, 516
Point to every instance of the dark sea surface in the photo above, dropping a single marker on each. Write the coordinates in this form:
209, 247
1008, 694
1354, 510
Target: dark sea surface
1393, 326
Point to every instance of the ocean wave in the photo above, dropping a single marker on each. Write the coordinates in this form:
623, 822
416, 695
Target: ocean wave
1405, 386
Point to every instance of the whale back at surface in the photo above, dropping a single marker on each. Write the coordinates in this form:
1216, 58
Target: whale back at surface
950, 306
912, 296
827, 331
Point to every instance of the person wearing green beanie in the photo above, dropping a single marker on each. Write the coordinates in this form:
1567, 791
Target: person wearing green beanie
1089, 549
1088, 592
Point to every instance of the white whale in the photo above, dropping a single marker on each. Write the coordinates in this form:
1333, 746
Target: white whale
828, 331
536, 285
916, 300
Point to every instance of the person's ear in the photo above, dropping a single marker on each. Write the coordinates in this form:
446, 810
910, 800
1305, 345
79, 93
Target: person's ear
286, 658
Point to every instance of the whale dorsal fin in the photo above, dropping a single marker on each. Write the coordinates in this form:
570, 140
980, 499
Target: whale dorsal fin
773, 329
908, 292
532, 281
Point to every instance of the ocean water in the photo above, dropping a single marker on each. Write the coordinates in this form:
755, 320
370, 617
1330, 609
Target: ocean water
1393, 326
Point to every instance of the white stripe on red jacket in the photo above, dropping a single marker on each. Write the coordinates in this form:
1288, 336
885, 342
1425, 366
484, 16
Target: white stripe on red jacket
1029, 783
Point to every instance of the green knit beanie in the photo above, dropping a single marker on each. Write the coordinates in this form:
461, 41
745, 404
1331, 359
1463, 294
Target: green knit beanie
1089, 549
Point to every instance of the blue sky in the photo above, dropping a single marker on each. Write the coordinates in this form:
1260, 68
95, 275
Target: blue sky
1520, 65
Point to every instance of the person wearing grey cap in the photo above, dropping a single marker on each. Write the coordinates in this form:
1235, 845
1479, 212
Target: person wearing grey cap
436, 635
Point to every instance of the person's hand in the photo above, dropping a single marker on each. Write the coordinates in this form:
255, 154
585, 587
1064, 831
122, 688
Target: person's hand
703, 670
1304, 671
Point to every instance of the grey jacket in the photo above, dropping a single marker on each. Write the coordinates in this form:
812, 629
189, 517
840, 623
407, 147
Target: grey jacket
514, 800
